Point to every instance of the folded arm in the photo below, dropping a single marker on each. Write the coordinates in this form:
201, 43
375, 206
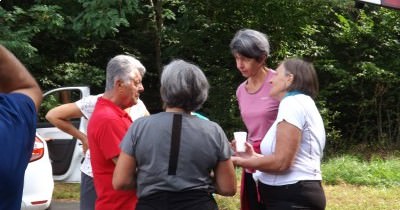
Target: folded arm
61, 116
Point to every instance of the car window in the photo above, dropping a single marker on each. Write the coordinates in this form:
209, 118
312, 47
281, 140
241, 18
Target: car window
57, 98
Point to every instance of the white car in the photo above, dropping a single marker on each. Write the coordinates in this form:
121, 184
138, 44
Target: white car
38, 182
57, 156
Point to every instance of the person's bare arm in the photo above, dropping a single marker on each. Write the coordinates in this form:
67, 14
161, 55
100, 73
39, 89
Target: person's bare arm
225, 178
60, 117
288, 139
15, 78
124, 177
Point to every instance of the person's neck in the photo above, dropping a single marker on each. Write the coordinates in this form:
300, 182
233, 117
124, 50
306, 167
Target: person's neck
254, 82
260, 75
175, 109
113, 98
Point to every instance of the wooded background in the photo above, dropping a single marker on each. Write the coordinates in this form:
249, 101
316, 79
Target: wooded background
355, 51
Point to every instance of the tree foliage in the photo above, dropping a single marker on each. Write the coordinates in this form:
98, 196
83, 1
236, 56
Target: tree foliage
355, 52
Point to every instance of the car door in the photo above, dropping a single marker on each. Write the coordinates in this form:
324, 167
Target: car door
65, 151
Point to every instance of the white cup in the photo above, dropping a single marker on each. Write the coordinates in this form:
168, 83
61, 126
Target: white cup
240, 138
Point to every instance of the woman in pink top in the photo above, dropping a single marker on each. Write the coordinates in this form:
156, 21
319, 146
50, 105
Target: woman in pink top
257, 109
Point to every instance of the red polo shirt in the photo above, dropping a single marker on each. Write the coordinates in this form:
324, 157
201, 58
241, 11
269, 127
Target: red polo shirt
106, 128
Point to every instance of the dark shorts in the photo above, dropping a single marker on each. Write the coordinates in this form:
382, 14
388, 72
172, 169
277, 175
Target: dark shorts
193, 200
301, 195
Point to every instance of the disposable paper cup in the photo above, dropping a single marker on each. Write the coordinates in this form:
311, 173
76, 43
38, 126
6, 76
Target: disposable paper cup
240, 138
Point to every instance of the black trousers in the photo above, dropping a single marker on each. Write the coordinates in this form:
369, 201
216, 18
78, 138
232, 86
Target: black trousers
307, 195
188, 200
250, 191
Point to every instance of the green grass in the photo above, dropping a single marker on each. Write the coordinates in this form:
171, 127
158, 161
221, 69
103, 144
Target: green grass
350, 183
352, 170
66, 191
352, 197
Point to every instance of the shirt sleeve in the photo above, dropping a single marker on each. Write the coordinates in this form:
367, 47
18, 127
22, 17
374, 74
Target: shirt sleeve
291, 111
18, 104
128, 142
225, 149
18, 118
87, 104
137, 110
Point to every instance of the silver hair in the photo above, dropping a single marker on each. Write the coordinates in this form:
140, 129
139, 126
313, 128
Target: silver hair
119, 67
250, 43
183, 85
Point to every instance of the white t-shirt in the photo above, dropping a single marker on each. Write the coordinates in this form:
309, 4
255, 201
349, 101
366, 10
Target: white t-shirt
86, 105
300, 111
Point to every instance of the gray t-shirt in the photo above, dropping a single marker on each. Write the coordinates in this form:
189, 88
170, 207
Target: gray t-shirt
203, 144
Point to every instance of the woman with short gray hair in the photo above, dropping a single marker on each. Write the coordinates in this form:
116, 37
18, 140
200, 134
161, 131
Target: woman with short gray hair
189, 93
179, 159
258, 110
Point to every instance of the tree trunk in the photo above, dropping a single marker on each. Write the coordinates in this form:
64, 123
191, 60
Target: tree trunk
158, 20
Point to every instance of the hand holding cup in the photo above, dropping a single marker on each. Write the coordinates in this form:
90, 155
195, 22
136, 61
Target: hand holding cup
240, 139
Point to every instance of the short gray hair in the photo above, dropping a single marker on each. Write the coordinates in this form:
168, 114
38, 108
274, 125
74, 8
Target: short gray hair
250, 43
183, 85
119, 67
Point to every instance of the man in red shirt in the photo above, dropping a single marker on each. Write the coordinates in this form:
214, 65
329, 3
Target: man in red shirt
107, 127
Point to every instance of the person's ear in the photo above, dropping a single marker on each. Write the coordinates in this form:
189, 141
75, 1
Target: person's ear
289, 79
119, 84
